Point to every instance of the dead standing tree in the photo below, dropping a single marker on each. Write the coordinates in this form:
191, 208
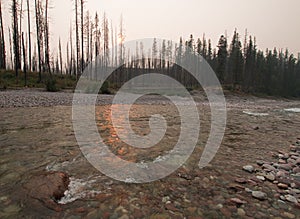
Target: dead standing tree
46, 36
29, 35
77, 39
39, 36
2, 42
15, 36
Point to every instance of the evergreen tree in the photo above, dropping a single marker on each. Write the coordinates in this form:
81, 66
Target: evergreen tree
222, 58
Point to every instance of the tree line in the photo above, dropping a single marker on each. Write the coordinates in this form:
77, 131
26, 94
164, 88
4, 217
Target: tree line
238, 62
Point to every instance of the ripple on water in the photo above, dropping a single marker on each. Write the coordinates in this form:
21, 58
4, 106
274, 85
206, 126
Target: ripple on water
78, 189
255, 113
293, 110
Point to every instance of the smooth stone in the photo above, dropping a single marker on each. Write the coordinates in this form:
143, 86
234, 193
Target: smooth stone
280, 173
248, 168
259, 195
282, 186
270, 176
261, 178
269, 167
241, 180
248, 190
260, 162
241, 212
12, 209
296, 170
286, 167
288, 215
297, 191
237, 201
291, 198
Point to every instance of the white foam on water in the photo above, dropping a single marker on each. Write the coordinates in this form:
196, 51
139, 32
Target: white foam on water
78, 189
293, 110
255, 113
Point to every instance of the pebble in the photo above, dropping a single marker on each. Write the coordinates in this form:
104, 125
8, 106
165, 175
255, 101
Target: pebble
248, 168
268, 167
286, 167
259, 195
291, 198
282, 186
237, 201
248, 190
288, 215
270, 177
241, 212
261, 178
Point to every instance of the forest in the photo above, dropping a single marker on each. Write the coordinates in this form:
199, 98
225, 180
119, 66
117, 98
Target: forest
238, 62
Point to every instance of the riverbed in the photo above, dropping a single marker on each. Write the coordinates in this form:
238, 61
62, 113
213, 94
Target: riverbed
36, 134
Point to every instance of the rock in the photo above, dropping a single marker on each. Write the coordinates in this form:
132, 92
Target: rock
248, 190
260, 162
261, 178
296, 170
286, 167
248, 168
291, 198
280, 174
293, 148
48, 187
282, 197
281, 161
282, 186
288, 215
237, 201
284, 181
259, 195
241, 212
165, 199
241, 180
219, 206
270, 176
296, 191
268, 167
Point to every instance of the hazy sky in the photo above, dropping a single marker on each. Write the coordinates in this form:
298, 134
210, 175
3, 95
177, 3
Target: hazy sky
275, 23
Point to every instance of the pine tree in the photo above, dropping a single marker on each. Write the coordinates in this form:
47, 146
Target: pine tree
222, 58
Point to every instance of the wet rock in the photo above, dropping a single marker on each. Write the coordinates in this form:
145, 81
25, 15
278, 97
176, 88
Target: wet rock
248, 190
237, 201
288, 215
260, 162
270, 176
281, 161
259, 195
296, 170
261, 178
286, 167
291, 198
165, 199
296, 191
241, 212
282, 186
248, 168
48, 187
280, 174
268, 167
241, 180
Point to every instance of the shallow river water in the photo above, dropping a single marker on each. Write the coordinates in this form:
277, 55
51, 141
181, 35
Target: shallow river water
34, 139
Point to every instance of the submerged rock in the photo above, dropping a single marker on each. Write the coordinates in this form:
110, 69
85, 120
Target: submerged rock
48, 187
